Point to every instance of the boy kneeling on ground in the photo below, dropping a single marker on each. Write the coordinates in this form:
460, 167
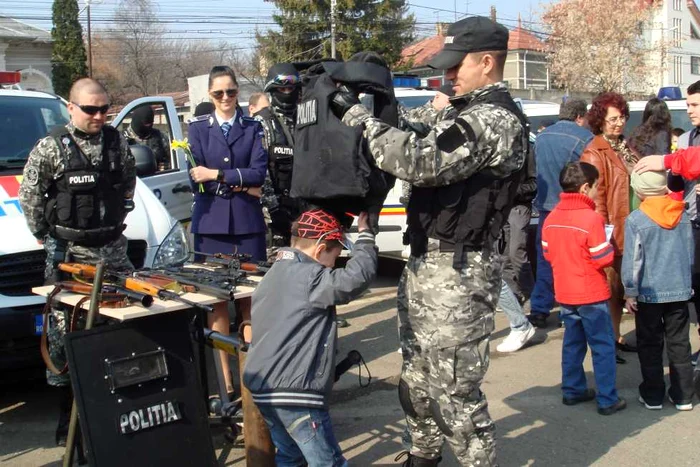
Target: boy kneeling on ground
575, 243
290, 366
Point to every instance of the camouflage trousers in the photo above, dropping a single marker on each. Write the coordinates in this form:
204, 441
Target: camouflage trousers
445, 320
115, 257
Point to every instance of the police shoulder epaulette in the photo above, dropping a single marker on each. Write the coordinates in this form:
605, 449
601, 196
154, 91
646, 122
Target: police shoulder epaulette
201, 118
249, 120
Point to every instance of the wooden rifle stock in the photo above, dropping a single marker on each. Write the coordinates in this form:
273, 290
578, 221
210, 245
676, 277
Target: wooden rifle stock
254, 268
132, 284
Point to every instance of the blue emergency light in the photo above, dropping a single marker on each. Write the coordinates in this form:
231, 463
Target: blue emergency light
406, 81
670, 93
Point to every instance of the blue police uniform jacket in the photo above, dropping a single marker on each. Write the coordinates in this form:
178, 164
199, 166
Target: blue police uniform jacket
220, 210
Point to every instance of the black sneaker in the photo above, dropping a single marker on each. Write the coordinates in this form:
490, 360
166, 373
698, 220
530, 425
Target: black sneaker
694, 358
625, 347
619, 360
538, 320
616, 407
342, 323
588, 395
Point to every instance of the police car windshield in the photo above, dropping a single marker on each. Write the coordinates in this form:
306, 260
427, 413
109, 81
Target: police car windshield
413, 101
23, 121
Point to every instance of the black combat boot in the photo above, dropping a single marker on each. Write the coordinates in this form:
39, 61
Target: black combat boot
65, 404
415, 461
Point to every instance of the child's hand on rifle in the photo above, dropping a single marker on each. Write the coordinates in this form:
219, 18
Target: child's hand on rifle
363, 222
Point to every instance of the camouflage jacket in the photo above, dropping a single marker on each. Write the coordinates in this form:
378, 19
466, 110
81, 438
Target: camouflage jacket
45, 164
489, 137
157, 141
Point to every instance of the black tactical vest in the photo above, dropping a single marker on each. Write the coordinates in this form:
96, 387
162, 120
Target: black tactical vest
74, 201
280, 155
468, 215
330, 165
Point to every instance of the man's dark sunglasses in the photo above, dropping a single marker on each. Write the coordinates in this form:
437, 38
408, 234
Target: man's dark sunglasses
93, 109
220, 93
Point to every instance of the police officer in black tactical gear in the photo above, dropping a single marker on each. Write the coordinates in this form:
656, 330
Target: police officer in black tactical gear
141, 131
279, 120
77, 189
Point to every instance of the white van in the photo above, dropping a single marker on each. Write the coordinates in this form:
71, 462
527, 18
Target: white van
540, 112
155, 237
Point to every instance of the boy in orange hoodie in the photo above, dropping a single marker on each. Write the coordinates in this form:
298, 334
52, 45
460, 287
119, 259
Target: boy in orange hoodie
656, 274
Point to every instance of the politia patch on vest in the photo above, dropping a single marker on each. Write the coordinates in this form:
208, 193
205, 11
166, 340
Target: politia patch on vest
307, 113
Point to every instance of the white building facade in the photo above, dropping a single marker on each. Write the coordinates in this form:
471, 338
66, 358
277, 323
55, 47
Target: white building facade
676, 23
26, 49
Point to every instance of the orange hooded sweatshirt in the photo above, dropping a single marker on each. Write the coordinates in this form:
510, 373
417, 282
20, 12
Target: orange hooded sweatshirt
663, 210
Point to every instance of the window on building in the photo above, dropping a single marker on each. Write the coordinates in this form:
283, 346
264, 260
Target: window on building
677, 31
694, 33
695, 65
677, 69
677, 5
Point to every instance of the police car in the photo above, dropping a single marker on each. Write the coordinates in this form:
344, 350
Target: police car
155, 237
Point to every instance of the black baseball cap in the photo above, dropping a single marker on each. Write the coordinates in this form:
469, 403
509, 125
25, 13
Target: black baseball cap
473, 34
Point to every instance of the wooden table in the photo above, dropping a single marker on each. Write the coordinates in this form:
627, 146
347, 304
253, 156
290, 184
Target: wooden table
258, 445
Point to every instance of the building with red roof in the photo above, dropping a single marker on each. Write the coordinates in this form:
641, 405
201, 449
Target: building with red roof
526, 65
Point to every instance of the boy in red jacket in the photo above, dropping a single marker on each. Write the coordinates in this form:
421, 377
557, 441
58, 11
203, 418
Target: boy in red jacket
574, 242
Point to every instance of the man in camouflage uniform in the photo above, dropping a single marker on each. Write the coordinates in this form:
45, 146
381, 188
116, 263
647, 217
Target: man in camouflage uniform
51, 167
464, 173
141, 131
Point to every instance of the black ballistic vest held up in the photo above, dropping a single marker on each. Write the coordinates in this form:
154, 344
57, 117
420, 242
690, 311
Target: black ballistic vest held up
332, 168
468, 215
73, 209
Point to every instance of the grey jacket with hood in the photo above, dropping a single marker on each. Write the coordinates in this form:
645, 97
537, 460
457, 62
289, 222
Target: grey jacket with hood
291, 361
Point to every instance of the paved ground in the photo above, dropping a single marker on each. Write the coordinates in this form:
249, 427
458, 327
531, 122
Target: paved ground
534, 428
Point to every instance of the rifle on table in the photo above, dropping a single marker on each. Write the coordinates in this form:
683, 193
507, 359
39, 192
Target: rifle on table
237, 261
133, 284
224, 291
108, 292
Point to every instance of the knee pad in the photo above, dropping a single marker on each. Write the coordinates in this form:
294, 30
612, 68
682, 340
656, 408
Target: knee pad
405, 399
439, 421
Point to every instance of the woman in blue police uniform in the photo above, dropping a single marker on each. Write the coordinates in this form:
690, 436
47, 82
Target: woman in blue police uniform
231, 164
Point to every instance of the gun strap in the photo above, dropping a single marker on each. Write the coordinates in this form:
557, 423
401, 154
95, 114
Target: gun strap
44, 337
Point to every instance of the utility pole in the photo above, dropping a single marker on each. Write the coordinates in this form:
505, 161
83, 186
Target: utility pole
455, 11
333, 12
89, 40
88, 3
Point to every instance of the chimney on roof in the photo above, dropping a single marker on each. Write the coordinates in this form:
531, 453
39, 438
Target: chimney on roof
493, 13
520, 22
441, 28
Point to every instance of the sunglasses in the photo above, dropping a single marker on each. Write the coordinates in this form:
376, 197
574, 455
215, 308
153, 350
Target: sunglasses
93, 109
218, 95
286, 80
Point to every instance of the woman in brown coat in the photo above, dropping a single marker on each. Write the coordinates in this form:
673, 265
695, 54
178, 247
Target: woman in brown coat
614, 159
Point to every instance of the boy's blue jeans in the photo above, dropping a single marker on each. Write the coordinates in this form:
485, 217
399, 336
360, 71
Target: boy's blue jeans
302, 436
588, 324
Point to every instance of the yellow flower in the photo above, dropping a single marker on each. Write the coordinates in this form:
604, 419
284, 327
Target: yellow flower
177, 144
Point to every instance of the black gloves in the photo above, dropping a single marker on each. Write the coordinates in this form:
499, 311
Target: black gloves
343, 100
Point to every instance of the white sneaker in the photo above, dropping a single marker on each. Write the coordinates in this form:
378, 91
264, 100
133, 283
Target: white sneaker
650, 407
516, 340
682, 407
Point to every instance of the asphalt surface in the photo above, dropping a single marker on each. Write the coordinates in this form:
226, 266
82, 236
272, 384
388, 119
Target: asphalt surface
534, 427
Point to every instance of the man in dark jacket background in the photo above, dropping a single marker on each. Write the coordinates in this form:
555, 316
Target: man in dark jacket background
517, 271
